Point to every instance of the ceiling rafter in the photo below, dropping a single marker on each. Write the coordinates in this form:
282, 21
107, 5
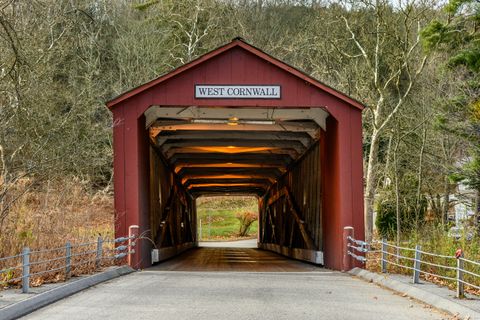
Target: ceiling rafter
192, 135
232, 150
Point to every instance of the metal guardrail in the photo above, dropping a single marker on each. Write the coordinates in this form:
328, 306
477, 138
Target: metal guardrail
65, 254
399, 256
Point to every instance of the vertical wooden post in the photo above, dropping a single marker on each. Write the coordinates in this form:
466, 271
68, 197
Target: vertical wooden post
347, 259
416, 264
25, 270
133, 231
460, 285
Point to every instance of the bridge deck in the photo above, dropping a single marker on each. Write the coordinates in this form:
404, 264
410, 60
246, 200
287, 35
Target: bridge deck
233, 259
170, 295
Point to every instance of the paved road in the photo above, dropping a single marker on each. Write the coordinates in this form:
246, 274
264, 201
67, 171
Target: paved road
249, 243
314, 293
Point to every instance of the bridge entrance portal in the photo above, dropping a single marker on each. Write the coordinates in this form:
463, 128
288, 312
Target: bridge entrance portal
237, 121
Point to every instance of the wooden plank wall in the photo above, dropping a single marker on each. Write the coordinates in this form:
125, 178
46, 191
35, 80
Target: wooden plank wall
302, 184
172, 210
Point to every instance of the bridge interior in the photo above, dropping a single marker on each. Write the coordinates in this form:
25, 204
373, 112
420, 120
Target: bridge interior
272, 153
227, 256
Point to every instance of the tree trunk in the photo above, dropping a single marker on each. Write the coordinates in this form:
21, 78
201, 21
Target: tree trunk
446, 201
371, 185
418, 200
476, 217
397, 194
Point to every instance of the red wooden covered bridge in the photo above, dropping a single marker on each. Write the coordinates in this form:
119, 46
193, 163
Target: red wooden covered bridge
238, 121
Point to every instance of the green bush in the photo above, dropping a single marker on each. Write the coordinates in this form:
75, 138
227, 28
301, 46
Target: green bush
386, 220
410, 219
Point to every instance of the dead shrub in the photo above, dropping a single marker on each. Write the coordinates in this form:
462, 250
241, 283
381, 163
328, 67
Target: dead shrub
246, 220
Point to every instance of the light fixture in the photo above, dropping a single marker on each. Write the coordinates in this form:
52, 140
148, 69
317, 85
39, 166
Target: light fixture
260, 122
209, 121
233, 121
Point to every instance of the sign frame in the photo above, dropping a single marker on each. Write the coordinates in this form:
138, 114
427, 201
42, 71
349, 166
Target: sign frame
227, 86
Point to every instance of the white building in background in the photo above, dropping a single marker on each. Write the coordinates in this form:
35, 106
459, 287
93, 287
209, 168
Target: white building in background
464, 204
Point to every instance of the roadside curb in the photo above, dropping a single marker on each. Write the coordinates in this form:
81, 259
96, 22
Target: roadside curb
427, 297
22, 308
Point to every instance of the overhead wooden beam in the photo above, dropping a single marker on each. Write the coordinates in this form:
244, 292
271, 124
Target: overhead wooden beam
269, 177
226, 190
256, 181
228, 185
192, 135
229, 165
246, 158
257, 194
309, 127
193, 113
191, 173
227, 142
239, 151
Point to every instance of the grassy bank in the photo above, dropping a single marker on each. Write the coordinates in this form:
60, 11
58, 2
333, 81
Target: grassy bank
434, 240
218, 217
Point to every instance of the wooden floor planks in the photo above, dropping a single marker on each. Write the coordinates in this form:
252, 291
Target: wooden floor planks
233, 259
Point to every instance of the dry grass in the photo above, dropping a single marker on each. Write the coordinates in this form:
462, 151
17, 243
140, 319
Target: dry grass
48, 216
433, 240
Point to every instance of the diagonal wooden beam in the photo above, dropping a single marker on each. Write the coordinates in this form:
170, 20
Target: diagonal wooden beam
301, 224
284, 192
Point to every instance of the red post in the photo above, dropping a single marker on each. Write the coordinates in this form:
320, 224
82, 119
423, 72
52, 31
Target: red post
347, 259
133, 231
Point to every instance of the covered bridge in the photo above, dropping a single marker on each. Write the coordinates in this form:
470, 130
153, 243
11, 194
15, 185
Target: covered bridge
237, 121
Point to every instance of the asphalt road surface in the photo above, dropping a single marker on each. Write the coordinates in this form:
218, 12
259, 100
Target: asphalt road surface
233, 293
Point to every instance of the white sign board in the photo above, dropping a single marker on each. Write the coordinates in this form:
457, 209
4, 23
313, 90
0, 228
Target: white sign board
237, 91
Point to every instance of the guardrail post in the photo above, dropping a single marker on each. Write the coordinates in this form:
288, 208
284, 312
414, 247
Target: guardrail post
26, 270
98, 258
416, 264
68, 260
133, 231
347, 259
460, 285
384, 255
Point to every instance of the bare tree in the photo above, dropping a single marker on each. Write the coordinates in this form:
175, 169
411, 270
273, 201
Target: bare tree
392, 55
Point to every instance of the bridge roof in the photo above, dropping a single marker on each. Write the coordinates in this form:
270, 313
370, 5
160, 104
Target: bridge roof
235, 43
